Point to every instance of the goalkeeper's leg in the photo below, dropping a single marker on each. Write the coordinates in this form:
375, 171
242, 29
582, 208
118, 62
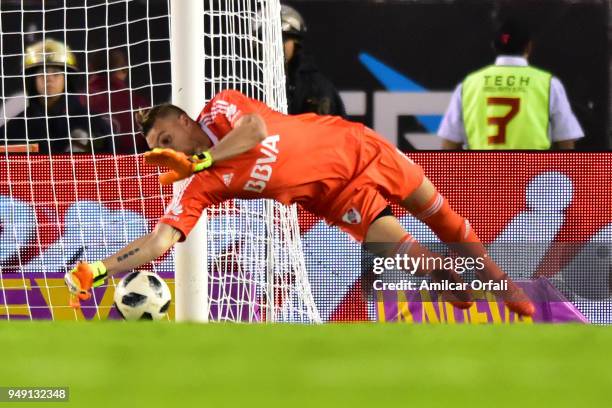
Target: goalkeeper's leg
433, 209
386, 237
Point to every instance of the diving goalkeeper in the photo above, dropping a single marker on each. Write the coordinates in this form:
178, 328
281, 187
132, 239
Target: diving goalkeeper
342, 171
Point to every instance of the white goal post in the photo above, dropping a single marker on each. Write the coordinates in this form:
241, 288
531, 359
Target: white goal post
187, 61
218, 45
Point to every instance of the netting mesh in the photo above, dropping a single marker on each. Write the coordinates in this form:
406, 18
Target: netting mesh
73, 73
257, 269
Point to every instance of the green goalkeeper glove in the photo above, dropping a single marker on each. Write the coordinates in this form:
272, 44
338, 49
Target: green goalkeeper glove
202, 161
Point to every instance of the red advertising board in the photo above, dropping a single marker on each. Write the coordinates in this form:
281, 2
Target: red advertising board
549, 198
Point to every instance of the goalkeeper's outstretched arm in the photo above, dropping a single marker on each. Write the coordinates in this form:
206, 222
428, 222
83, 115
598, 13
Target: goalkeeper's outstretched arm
143, 250
250, 130
84, 276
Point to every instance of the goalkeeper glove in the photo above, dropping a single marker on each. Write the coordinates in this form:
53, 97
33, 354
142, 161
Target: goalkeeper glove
181, 166
82, 278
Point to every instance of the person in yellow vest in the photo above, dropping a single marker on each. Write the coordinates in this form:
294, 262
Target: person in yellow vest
510, 105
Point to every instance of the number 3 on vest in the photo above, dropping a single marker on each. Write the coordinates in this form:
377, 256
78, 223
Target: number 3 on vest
501, 122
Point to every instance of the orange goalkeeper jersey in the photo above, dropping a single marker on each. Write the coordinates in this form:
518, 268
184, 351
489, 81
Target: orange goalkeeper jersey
319, 162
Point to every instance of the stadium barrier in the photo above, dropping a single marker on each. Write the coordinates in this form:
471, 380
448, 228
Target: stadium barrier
426, 307
43, 297
39, 296
551, 199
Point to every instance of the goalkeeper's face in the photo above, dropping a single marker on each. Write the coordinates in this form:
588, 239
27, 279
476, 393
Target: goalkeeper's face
179, 133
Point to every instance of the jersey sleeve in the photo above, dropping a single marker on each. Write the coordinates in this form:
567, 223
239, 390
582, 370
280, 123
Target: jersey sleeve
452, 127
191, 197
565, 126
224, 110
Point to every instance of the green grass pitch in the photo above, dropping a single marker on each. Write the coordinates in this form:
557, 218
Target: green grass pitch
113, 364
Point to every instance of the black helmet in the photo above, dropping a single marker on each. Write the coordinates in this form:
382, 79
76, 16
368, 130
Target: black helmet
292, 22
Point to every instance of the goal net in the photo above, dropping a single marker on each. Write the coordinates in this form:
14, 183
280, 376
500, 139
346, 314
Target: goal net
72, 182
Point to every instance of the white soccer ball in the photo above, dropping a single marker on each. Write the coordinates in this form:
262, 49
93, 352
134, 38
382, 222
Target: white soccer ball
142, 295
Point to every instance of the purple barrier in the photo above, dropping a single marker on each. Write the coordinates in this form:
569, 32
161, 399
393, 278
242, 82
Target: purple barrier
425, 307
44, 296
41, 296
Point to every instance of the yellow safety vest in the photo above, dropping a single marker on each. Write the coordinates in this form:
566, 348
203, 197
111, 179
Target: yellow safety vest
507, 107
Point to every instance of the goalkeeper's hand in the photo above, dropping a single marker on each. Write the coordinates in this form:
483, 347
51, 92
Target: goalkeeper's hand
82, 278
181, 166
